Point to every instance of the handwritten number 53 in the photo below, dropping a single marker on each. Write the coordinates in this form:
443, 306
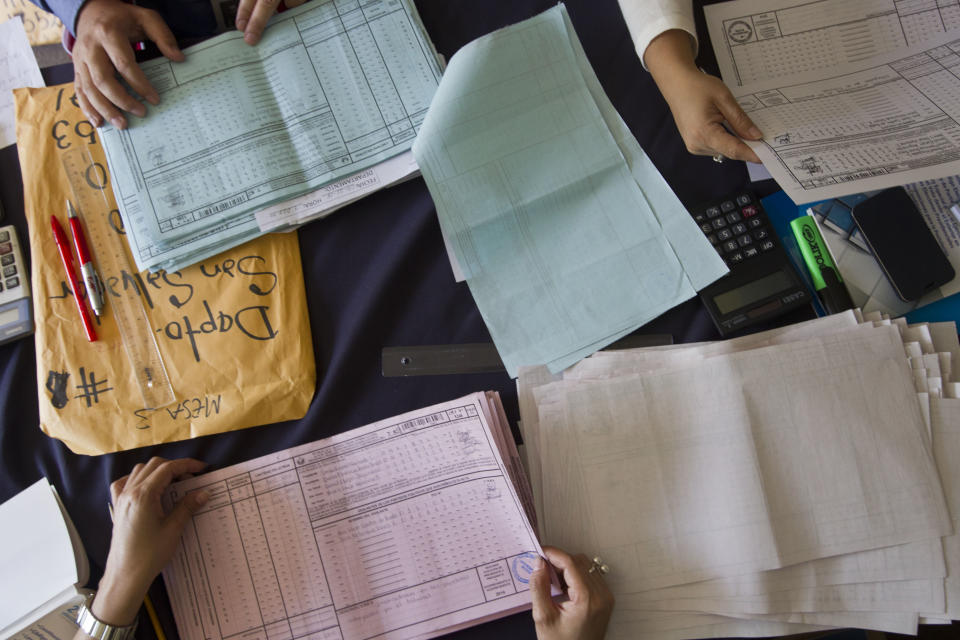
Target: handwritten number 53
83, 129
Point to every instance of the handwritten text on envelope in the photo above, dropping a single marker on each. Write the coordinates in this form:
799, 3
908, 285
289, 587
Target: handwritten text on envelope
233, 330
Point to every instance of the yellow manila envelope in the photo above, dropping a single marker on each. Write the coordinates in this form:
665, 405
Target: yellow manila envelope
233, 331
41, 27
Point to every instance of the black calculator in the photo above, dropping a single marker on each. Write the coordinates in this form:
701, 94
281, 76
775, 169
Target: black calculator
16, 307
762, 282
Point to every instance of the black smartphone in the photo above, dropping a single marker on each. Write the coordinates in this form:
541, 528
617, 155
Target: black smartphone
902, 243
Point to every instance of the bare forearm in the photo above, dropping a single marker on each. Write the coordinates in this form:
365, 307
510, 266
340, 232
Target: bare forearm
669, 54
144, 537
700, 103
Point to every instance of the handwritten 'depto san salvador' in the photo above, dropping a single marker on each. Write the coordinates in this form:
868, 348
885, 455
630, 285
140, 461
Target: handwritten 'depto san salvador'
233, 330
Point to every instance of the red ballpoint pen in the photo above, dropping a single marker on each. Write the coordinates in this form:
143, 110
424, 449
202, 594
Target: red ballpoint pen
63, 246
87, 271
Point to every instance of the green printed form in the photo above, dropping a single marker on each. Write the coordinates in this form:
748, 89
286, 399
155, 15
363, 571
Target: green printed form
333, 88
567, 235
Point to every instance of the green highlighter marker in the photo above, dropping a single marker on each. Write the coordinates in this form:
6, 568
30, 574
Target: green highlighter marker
826, 277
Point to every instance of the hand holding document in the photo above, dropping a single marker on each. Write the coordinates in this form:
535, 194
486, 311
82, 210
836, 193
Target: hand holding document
888, 120
851, 96
331, 91
804, 489
410, 527
567, 235
104, 62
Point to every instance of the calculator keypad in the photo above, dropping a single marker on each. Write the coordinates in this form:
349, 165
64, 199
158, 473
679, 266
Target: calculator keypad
762, 283
14, 288
735, 229
11, 268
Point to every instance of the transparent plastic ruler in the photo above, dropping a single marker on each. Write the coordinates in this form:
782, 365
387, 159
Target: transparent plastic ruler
88, 184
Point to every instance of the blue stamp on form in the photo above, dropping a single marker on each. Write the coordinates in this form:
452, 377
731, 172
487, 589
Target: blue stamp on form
523, 565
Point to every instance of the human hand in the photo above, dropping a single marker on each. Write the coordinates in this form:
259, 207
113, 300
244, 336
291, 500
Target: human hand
584, 616
252, 16
144, 538
700, 103
105, 29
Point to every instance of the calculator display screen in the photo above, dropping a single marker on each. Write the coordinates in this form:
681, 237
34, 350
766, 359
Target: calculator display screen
749, 293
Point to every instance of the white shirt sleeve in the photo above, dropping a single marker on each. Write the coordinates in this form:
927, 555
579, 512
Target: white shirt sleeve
647, 19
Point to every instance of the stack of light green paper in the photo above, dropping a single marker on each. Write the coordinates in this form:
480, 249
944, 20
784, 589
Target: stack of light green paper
567, 235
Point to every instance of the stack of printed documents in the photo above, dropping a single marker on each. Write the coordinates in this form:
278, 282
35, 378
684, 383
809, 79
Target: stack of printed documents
567, 235
316, 113
410, 527
797, 479
850, 96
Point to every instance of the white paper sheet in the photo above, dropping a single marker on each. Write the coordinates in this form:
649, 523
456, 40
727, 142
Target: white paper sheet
757, 40
915, 595
335, 196
888, 120
649, 622
945, 420
40, 563
888, 588
18, 68
778, 493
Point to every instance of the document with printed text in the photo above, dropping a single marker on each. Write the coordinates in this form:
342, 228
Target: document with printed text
408, 527
757, 40
887, 121
332, 89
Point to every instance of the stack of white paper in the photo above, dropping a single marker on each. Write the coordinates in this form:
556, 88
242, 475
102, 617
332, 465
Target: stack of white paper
789, 480
567, 235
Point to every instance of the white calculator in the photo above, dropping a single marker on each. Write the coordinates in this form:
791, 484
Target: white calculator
16, 308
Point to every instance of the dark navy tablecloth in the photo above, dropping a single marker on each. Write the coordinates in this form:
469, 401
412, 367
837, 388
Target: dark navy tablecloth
376, 275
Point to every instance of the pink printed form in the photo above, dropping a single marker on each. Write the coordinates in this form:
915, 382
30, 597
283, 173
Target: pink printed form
409, 527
